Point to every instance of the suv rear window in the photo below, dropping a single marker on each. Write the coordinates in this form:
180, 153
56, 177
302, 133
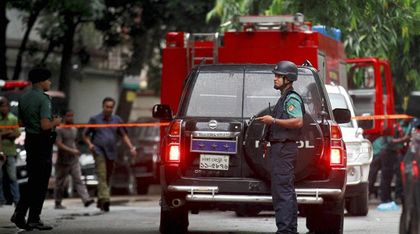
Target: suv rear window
220, 94
216, 95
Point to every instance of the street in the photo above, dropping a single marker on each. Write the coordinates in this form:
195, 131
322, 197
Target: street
140, 214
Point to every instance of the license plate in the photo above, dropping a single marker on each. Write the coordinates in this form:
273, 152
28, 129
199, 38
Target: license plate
214, 162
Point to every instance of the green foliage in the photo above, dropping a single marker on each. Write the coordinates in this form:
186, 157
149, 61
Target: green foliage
380, 28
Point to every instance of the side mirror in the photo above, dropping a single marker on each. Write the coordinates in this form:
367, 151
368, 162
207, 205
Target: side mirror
162, 112
342, 115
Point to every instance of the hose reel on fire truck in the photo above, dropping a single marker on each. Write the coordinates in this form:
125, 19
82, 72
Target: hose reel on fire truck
309, 152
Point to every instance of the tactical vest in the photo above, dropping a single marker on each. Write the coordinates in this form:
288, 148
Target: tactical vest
281, 134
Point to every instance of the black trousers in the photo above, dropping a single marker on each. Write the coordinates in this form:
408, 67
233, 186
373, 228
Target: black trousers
375, 166
283, 160
388, 161
38, 162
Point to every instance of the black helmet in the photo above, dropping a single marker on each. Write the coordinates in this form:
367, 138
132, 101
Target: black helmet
287, 69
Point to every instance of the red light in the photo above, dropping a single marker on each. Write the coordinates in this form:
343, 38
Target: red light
173, 140
335, 132
337, 150
415, 169
15, 84
402, 169
174, 153
174, 129
175, 39
336, 157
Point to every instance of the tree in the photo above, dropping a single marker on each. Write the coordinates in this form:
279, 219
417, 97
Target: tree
387, 29
69, 15
34, 8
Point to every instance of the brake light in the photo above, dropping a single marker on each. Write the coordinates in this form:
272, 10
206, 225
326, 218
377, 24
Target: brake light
402, 170
335, 156
174, 153
415, 169
174, 140
337, 150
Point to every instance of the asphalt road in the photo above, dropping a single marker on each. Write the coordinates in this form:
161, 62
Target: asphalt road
140, 214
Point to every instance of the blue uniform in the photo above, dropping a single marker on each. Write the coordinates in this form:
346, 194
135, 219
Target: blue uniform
283, 155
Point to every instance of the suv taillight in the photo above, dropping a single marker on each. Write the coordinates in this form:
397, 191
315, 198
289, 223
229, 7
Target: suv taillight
174, 140
415, 169
337, 150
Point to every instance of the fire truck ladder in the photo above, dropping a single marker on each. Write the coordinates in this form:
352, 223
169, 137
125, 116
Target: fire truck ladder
208, 40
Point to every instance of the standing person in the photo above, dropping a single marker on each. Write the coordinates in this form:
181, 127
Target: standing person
285, 125
7, 141
35, 115
68, 163
2, 160
389, 157
102, 144
404, 130
379, 146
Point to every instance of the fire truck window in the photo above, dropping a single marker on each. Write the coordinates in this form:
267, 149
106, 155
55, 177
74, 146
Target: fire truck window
259, 93
216, 95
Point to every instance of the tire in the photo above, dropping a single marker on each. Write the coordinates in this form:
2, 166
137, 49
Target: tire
142, 187
414, 222
403, 222
261, 165
173, 220
358, 205
328, 218
247, 211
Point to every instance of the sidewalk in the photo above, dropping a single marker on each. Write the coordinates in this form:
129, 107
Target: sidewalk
75, 205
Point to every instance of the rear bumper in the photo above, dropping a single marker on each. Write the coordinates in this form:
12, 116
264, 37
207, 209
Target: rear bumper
210, 194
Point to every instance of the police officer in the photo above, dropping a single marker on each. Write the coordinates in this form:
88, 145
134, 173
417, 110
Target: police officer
35, 115
285, 125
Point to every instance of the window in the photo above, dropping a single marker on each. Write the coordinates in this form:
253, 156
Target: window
216, 94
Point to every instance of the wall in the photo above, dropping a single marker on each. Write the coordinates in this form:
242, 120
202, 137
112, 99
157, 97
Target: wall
88, 91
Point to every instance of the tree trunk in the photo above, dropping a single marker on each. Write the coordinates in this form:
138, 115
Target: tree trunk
67, 53
3, 27
134, 68
51, 46
37, 8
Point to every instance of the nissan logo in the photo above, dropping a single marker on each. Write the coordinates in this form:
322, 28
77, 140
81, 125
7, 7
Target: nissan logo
212, 124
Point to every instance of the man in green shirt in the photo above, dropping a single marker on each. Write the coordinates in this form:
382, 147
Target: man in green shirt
8, 136
35, 115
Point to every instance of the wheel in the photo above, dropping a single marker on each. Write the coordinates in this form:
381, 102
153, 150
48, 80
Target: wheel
142, 186
358, 205
247, 211
173, 220
328, 218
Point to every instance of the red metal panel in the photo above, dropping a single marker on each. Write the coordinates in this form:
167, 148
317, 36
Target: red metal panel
268, 47
174, 72
334, 55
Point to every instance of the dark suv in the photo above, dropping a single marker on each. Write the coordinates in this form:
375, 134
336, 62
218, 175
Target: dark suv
212, 156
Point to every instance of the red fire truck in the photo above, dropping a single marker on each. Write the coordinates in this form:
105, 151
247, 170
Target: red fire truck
269, 39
